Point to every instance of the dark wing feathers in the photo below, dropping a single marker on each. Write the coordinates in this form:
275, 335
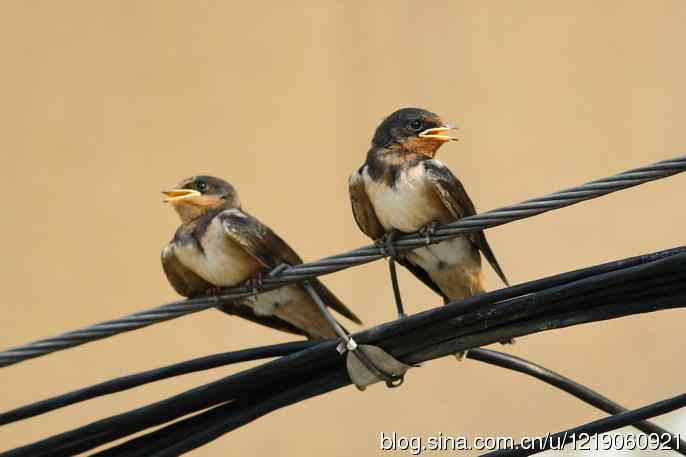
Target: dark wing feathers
363, 210
270, 321
333, 302
258, 239
271, 251
482, 243
420, 274
455, 198
450, 190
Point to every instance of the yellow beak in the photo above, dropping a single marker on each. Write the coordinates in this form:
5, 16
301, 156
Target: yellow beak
435, 133
179, 194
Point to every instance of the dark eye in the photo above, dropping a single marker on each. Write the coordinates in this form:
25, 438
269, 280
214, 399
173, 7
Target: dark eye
416, 125
201, 185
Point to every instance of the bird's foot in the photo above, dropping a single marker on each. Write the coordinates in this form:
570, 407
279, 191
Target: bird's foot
214, 293
255, 282
428, 231
508, 341
460, 356
278, 269
386, 244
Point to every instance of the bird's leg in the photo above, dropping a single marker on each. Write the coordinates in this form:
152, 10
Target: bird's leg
428, 231
388, 248
460, 356
396, 288
371, 364
385, 244
214, 292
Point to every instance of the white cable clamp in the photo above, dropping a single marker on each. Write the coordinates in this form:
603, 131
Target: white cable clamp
351, 345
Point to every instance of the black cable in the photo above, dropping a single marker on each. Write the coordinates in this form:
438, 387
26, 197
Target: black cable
579, 391
324, 384
230, 387
552, 303
493, 310
406, 339
454, 309
598, 426
187, 435
146, 445
213, 424
145, 377
256, 409
125, 382
270, 404
359, 256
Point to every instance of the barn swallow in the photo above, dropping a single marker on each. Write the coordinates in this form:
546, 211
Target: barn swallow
402, 188
220, 245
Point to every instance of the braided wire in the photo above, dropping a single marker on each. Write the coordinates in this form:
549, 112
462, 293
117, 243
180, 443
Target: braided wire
366, 254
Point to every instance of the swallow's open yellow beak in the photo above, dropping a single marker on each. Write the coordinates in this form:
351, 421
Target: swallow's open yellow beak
175, 195
435, 133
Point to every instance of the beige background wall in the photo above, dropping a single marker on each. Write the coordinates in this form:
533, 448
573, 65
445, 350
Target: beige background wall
106, 103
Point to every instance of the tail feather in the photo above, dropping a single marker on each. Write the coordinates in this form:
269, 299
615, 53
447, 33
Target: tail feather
333, 302
488, 253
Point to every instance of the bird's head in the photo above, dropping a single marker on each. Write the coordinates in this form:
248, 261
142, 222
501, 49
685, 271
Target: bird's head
195, 196
412, 131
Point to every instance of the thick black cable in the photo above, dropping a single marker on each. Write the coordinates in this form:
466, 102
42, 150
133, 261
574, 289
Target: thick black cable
359, 256
269, 405
148, 376
182, 430
667, 259
536, 298
324, 384
579, 391
161, 439
299, 392
604, 425
406, 340
228, 388
217, 360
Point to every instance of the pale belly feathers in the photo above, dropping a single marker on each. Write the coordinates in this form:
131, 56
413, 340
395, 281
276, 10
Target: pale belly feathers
223, 263
411, 205
408, 206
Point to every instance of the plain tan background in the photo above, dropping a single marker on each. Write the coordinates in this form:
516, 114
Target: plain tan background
106, 103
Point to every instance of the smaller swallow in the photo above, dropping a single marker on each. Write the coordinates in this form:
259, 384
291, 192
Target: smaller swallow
402, 188
220, 245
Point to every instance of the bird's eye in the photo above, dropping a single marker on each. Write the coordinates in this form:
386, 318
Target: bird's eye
416, 125
201, 185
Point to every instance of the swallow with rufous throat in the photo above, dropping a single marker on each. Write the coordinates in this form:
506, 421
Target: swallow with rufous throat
402, 188
220, 245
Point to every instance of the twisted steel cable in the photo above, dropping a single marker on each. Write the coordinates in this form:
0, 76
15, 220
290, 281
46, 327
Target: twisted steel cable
349, 259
